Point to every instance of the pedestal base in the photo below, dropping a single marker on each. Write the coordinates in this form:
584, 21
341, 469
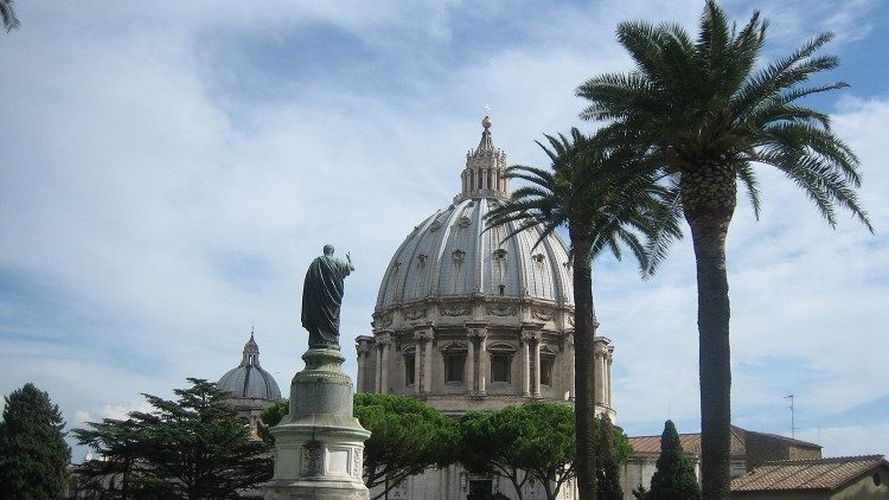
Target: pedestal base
319, 445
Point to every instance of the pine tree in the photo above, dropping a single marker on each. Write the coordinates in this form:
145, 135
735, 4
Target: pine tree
33, 454
674, 479
607, 470
193, 447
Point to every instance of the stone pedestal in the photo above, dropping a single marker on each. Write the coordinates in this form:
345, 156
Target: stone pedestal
319, 445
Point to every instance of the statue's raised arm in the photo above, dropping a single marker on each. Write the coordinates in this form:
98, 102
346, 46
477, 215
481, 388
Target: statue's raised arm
322, 298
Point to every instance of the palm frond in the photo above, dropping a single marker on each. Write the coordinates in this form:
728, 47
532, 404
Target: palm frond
664, 229
7, 12
748, 178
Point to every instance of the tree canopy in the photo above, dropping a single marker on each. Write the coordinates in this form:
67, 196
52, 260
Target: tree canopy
271, 416
675, 478
407, 437
608, 460
33, 454
194, 447
531, 442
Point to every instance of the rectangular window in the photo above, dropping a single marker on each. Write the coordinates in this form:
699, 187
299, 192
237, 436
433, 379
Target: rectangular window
501, 368
454, 367
410, 369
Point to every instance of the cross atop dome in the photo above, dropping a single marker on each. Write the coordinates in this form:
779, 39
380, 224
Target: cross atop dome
484, 175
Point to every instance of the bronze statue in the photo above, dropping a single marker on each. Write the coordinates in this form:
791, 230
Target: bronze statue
322, 297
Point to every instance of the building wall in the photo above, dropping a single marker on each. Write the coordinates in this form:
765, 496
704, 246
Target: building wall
866, 488
453, 483
640, 468
765, 447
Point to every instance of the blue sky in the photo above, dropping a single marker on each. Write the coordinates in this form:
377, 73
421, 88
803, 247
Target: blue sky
168, 171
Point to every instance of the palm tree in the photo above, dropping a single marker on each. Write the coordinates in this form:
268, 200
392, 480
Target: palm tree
10, 22
604, 207
705, 115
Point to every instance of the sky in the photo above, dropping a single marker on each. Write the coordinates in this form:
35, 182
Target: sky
168, 171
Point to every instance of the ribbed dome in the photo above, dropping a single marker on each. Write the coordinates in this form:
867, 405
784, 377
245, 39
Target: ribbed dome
450, 255
249, 380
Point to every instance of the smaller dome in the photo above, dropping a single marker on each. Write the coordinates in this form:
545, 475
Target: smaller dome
249, 380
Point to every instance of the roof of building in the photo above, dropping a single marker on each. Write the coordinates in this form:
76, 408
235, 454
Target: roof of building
248, 379
451, 255
691, 442
818, 474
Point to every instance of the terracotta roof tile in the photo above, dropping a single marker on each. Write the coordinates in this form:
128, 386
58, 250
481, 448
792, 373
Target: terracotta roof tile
820, 474
691, 443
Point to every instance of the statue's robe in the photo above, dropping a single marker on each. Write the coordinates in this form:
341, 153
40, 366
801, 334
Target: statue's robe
322, 297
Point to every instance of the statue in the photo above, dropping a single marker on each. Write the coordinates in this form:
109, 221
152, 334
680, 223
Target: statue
322, 296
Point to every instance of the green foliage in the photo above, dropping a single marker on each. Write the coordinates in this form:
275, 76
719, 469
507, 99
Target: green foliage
675, 477
271, 415
697, 105
194, 447
33, 454
407, 437
600, 192
607, 463
122, 443
534, 441
529, 441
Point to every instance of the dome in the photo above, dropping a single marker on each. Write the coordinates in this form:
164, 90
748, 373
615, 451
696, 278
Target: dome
451, 255
249, 380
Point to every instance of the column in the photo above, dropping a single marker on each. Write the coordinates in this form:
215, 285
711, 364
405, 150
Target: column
378, 367
386, 342
599, 389
469, 369
536, 392
569, 362
427, 365
418, 346
610, 392
362, 366
483, 361
526, 366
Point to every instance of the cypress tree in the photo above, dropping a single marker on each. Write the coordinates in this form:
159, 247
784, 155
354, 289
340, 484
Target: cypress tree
607, 470
33, 454
674, 479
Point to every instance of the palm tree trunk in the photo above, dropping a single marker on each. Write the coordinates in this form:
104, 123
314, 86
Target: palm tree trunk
709, 198
584, 366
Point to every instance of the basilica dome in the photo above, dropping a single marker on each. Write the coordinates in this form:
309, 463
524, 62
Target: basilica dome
248, 380
469, 318
450, 254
